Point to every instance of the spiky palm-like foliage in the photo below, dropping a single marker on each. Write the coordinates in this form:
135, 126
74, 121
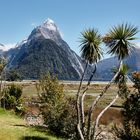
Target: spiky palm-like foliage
119, 38
122, 74
91, 52
90, 42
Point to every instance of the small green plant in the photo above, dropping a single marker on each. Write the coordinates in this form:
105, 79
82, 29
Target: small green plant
12, 98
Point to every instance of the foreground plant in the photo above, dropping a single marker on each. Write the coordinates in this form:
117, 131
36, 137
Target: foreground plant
58, 111
91, 53
123, 92
2, 67
118, 40
131, 111
12, 99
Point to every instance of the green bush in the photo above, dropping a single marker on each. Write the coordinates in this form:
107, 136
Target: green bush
12, 98
61, 120
58, 111
131, 113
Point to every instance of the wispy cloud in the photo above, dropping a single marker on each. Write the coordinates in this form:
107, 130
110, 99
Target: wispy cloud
9, 46
33, 24
138, 44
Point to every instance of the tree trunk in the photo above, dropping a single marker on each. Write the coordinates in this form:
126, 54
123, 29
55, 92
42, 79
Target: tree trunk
3, 67
93, 136
0, 89
82, 99
90, 113
2, 86
78, 105
80, 132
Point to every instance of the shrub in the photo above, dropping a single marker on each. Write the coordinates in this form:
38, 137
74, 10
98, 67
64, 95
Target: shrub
131, 113
57, 110
12, 98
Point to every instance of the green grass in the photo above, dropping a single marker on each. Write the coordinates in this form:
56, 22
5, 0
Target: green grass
14, 128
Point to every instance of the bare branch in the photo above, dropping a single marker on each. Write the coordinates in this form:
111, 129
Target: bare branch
100, 115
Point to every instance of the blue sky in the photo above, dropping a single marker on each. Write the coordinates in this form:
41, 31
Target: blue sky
18, 17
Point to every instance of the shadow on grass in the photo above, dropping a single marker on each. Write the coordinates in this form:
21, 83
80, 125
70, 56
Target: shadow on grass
20, 125
39, 128
34, 138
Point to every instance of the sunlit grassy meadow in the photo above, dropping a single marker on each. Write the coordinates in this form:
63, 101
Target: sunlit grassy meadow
13, 127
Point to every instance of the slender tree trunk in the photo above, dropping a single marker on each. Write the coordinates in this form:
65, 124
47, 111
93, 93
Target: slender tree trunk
90, 113
2, 86
93, 136
82, 99
80, 132
78, 105
0, 89
3, 67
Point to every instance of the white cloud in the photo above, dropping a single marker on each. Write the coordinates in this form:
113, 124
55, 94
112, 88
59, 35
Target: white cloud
138, 44
9, 46
33, 24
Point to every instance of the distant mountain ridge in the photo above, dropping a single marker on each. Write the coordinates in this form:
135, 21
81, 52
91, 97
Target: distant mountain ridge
45, 50
104, 70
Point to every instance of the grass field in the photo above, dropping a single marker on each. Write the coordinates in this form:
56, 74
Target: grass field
14, 128
70, 89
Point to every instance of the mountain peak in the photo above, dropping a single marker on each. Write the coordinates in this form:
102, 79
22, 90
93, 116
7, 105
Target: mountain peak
49, 24
49, 21
48, 29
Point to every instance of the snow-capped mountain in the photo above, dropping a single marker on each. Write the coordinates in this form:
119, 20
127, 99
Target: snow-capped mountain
48, 30
45, 50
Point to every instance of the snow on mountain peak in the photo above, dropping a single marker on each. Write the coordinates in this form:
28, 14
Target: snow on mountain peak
49, 21
49, 24
7, 46
48, 30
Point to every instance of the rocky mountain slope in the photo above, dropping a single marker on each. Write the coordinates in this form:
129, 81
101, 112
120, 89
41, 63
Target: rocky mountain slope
45, 50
